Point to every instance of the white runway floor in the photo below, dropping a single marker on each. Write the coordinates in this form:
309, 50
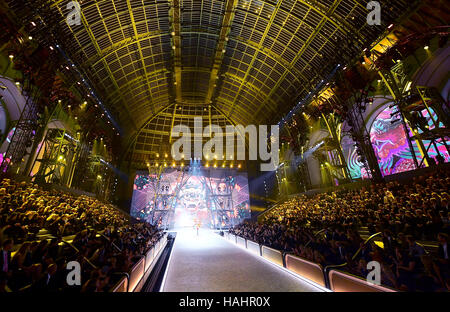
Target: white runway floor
209, 263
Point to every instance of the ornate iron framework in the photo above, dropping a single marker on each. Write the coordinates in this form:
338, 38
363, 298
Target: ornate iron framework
251, 58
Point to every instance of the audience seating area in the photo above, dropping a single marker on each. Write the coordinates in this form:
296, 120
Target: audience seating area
404, 227
42, 231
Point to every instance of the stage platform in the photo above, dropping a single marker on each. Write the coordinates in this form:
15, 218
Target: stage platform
209, 263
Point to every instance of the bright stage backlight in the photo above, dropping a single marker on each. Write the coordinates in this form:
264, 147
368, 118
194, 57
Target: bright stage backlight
191, 197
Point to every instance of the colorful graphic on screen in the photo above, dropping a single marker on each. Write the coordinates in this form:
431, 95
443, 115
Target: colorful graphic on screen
391, 144
355, 166
188, 198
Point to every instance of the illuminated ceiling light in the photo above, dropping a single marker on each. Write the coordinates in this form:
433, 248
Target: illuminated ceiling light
30, 38
426, 47
215, 156
182, 156
33, 23
11, 56
174, 47
172, 33
51, 48
207, 165
207, 156
215, 165
390, 26
165, 155
17, 83
223, 165
173, 164
165, 164
231, 165
239, 166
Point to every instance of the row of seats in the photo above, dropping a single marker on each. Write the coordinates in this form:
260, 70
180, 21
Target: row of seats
335, 280
42, 231
139, 273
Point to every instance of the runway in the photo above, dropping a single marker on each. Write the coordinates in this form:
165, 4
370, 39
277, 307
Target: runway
209, 263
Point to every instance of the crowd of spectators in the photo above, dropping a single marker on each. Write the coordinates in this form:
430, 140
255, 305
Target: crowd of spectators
325, 228
42, 231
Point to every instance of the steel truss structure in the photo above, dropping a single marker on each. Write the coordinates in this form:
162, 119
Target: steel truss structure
250, 59
160, 209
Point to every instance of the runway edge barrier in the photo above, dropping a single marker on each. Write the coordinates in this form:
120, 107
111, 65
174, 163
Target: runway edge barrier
134, 280
339, 281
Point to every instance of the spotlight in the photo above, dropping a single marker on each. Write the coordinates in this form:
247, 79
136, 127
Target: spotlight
426, 47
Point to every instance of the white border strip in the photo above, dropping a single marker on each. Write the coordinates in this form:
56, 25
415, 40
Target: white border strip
304, 279
163, 283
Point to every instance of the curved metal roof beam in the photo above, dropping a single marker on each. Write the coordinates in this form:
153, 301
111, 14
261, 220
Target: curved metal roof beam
303, 49
92, 37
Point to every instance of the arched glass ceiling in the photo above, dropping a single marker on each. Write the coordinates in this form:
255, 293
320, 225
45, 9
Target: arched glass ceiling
250, 59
